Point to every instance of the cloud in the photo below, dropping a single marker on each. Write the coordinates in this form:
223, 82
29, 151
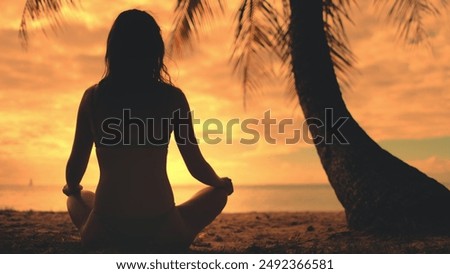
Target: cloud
401, 92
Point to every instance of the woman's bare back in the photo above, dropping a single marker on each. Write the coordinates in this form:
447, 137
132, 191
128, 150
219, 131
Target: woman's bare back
133, 178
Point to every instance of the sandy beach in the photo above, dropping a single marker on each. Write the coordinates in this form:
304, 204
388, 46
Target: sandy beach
302, 232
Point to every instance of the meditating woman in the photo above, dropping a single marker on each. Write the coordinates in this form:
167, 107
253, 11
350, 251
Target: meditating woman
130, 115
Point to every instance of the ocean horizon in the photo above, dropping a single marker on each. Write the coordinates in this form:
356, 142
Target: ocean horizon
246, 198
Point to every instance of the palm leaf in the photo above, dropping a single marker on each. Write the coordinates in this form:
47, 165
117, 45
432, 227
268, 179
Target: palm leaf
336, 13
190, 15
408, 16
283, 40
40, 9
258, 31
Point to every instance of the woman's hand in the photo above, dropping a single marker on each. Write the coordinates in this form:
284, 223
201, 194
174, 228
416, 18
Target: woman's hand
70, 191
226, 184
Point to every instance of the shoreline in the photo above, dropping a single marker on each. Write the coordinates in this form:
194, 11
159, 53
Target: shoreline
38, 232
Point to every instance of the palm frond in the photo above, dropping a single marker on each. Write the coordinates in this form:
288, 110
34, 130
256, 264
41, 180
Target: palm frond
283, 40
190, 15
39, 9
258, 31
336, 13
408, 16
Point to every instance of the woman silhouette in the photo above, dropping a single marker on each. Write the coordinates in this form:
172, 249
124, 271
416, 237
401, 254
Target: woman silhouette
130, 116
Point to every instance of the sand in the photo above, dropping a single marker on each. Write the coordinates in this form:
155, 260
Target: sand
301, 232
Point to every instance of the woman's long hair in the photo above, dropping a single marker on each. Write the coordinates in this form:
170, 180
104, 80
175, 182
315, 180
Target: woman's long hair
135, 51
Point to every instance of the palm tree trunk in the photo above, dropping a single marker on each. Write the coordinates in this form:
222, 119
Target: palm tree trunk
379, 192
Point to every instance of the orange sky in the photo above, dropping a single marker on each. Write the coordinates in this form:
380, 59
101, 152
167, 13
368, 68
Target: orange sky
400, 95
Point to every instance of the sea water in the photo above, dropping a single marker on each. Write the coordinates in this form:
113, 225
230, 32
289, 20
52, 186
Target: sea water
312, 197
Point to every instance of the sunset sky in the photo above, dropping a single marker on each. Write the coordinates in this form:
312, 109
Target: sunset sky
400, 95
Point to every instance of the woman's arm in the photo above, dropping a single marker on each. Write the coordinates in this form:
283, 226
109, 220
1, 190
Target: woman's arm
81, 149
190, 151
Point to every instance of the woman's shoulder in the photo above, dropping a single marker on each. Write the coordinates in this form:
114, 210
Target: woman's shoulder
172, 89
89, 91
86, 99
175, 93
